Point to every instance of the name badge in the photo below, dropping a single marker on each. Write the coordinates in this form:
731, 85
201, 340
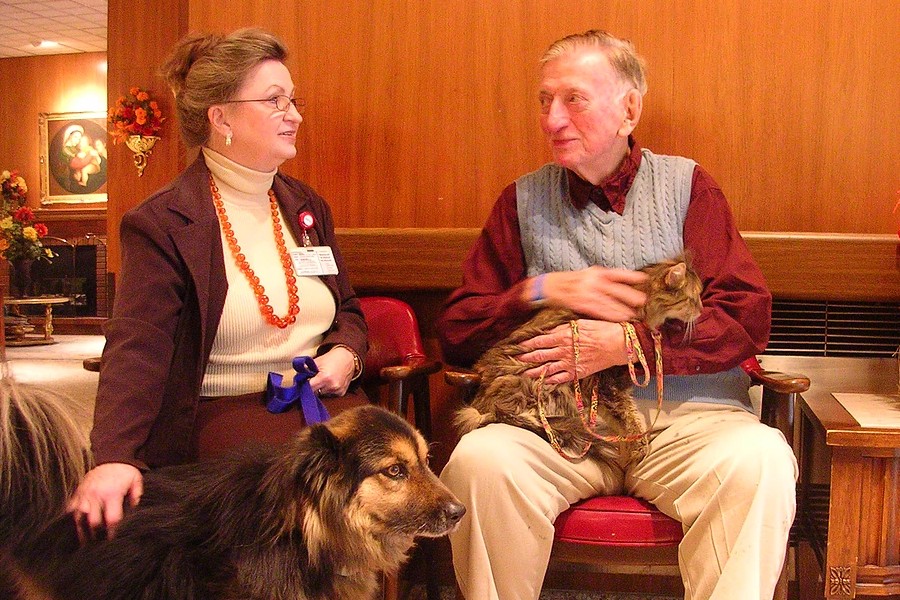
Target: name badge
313, 261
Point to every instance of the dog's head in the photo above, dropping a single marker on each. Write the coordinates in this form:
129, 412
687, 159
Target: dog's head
365, 488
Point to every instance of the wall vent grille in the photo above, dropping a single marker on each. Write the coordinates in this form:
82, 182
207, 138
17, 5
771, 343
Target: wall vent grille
851, 329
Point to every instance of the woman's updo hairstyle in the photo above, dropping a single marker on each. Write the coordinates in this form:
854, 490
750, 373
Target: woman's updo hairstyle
204, 70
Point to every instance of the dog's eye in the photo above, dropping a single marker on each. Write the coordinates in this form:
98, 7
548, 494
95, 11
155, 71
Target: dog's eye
395, 471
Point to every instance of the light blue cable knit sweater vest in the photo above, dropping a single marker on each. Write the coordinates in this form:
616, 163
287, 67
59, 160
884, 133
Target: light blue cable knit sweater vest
556, 236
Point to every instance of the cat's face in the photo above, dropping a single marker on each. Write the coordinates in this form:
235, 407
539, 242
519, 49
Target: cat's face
673, 292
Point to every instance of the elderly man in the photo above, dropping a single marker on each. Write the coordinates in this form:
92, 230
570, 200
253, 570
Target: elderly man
571, 234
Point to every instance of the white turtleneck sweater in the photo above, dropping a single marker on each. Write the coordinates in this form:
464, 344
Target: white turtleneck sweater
246, 347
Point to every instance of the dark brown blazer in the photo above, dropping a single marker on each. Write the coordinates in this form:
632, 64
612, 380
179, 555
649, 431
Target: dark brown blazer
169, 299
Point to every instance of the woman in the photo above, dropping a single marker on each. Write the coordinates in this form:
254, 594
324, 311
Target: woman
63, 170
208, 303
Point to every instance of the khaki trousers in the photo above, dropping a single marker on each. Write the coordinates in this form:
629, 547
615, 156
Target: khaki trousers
728, 478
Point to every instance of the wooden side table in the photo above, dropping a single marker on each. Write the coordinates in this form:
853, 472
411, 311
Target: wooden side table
849, 504
17, 334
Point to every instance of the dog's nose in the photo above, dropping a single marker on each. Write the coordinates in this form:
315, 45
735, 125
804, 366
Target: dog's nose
454, 511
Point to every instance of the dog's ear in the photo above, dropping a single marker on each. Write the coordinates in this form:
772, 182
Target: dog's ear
322, 436
318, 458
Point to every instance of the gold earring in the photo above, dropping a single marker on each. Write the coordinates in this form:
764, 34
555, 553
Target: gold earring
228, 139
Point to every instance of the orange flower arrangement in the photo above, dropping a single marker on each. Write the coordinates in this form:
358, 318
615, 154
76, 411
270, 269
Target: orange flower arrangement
135, 114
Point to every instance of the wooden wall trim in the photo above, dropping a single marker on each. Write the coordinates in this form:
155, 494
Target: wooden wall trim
72, 213
796, 265
829, 266
420, 259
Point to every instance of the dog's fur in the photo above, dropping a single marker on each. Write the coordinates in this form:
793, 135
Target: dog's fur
316, 519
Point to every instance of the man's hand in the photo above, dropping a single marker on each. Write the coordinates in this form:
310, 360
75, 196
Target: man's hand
101, 497
601, 345
596, 292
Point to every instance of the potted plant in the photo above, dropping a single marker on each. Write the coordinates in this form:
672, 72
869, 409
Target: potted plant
20, 234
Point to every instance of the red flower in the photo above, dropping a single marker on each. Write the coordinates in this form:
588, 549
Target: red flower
24, 215
41, 229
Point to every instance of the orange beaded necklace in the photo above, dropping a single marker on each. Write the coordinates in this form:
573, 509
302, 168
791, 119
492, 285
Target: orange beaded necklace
265, 308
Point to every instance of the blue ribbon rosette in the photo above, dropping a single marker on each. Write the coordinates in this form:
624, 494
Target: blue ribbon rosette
280, 399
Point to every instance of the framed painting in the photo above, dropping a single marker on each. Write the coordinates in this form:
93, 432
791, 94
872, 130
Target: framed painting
73, 157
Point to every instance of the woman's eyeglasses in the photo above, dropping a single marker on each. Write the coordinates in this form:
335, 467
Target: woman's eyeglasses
280, 103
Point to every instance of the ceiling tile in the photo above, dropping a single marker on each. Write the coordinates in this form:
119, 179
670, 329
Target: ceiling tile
77, 25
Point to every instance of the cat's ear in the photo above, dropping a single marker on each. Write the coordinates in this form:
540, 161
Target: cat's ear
675, 276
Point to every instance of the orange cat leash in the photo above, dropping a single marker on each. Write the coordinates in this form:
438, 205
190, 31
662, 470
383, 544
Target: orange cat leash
635, 354
579, 403
635, 351
633, 347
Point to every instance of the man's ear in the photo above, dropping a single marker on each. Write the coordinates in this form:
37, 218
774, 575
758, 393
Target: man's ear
218, 119
634, 104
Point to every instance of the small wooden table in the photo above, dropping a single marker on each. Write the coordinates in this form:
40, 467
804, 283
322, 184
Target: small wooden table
849, 504
19, 334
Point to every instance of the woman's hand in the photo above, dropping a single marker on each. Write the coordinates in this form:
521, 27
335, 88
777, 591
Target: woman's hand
336, 368
601, 345
100, 498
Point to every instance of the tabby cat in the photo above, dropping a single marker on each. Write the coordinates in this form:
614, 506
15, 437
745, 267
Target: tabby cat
505, 395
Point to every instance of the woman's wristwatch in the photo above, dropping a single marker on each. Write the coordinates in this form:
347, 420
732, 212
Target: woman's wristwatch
357, 363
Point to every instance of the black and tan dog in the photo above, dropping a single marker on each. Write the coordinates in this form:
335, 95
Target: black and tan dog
316, 519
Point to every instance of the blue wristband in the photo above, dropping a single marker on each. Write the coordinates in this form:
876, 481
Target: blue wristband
537, 290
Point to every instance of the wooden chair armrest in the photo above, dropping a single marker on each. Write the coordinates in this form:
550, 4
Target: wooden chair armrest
462, 378
775, 381
413, 367
782, 383
778, 397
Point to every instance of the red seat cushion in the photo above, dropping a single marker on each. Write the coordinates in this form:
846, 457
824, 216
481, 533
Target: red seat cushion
617, 521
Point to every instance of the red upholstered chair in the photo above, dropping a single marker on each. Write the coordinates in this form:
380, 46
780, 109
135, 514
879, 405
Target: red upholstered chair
396, 367
621, 531
396, 371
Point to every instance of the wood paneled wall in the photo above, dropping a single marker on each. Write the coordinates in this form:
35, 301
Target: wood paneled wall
421, 111
141, 34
